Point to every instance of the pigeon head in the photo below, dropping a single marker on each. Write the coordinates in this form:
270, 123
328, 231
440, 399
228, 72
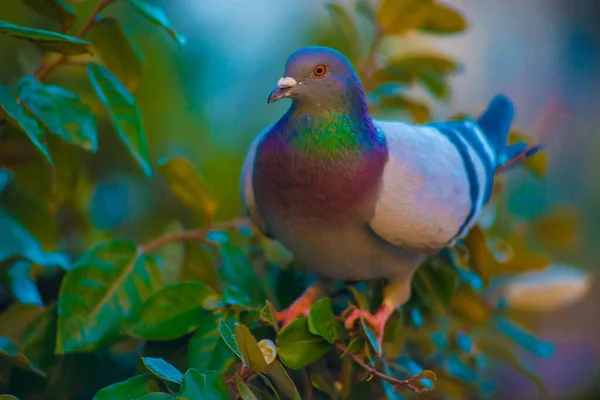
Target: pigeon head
319, 77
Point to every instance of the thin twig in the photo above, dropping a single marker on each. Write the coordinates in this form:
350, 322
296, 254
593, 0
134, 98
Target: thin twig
517, 159
373, 371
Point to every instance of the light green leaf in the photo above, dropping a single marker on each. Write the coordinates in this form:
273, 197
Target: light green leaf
10, 351
282, 380
58, 10
123, 111
158, 17
268, 314
347, 28
207, 351
156, 396
21, 280
132, 388
188, 185
172, 311
163, 369
248, 346
297, 347
198, 385
15, 114
229, 338
322, 322
397, 17
48, 40
244, 390
61, 111
366, 8
117, 51
17, 318
442, 19
108, 284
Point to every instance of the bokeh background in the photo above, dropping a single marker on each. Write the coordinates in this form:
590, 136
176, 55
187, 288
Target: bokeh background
207, 100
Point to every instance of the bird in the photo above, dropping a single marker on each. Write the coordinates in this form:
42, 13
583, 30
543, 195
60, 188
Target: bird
361, 199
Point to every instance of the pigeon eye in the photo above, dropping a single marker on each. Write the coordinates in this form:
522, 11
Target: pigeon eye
320, 70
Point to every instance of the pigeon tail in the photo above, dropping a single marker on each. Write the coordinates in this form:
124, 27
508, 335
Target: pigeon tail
495, 123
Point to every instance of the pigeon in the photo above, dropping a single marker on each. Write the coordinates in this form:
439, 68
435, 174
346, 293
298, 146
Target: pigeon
359, 199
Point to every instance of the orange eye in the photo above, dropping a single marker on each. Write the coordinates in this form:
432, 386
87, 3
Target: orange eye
320, 70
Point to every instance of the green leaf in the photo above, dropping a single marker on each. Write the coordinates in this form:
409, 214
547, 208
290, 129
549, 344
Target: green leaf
207, 351
435, 284
123, 111
268, 383
244, 390
21, 280
354, 346
156, 396
238, 270
418, 111
10, 351
208, 385
198, 265
322, 379
108, 284
58, 10
282, 380
16, 319
172, 311
248, 346
322, 322
48, 40
371, 336
39, 337
132, 388
116, 51
8, 397
158, 17
188, 185
61, 111
268, 314
442, 19
366, 8
297, 347
16, 114
229, 339
163, 369
397, 17
345, 25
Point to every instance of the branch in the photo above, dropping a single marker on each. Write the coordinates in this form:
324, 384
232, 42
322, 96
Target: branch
396, 382
517, 159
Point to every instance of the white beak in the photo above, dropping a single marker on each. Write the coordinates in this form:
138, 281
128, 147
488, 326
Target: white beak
286, 82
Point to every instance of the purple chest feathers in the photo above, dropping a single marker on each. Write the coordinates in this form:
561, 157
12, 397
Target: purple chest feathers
315, 184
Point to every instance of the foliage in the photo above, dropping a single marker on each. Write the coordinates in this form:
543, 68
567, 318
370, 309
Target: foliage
122, 320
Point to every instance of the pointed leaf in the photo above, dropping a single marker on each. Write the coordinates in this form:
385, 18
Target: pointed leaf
20, 278
244, 390
229, 338
15, 114
61, 111
157, 16
16, 319
269, 316
123, 111
9, 351
442, 19
297, 347
108, 283
249, 348
207, 350
58, 10
116, 51
132, 388
322, 322
346, 26
398, 17
371, 336
48, 40
268, 383
188, 185
282, 380
163, 369
208, 385
198, 265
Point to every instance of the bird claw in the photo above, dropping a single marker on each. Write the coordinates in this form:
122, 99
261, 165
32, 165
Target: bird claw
375, 322
299, 308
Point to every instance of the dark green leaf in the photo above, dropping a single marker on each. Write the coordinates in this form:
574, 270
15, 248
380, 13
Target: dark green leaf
132, 388
158, 17
199, 266
188, 185
15, 114
354, 346
9, 351
163, 369
116, 51
346, 26
38, 339
322, 322
268, 314
282, 380
322, 379
233, 296
248, 346
156, 396
8, 397
207, 351
244, 390
15, 320
21, 280
172, 311
208, 385
268, 383
108, 284
58, 10
418, 111
435, 284
229, 338
297, 347
123, 111
48, 40
441, 19
398, 17
61, 111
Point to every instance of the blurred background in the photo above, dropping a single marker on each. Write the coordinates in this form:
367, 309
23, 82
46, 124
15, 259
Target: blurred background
207, 100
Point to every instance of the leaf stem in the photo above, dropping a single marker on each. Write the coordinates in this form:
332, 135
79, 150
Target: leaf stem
369, 63
407, 383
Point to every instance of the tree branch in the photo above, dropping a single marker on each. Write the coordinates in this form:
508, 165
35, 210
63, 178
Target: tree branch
517, 159
396, 382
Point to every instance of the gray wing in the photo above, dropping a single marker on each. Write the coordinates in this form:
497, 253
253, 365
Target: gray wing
434, 184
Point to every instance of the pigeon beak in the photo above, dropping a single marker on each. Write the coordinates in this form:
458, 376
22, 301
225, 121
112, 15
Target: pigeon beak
284, 89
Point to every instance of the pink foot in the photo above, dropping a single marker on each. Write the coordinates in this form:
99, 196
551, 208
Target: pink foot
299, 308
376, 322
